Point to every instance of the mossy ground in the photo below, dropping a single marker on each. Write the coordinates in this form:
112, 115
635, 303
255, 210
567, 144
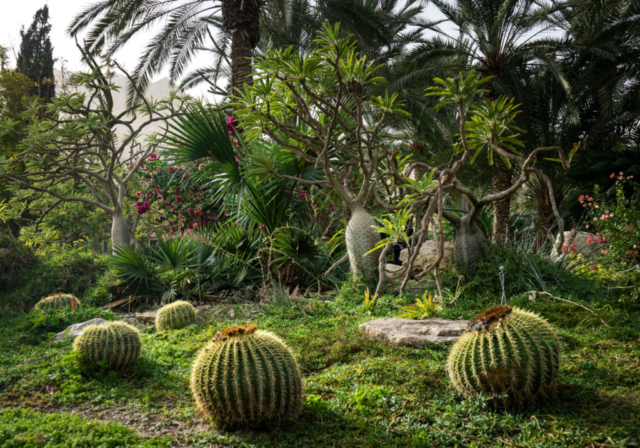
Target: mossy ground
358, 392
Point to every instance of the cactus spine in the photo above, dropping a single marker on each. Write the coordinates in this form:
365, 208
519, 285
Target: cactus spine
175, 315
245, 376
117, 343
58, 300
507, 350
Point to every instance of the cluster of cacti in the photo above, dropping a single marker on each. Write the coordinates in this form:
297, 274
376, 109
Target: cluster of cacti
245, 376
58, 300
507, 350
117, 343
175, 315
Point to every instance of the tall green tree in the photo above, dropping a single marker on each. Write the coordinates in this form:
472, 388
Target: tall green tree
35, 58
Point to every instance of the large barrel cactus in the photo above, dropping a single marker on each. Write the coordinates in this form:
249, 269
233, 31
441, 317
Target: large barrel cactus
58, 300
245, 376
117, 343
175, 315
507, 350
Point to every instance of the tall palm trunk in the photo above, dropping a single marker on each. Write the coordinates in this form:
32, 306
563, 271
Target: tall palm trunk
501, 209
361, 238
241, 18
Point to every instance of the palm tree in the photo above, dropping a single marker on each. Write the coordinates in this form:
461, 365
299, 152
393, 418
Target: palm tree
495, 37
229, 31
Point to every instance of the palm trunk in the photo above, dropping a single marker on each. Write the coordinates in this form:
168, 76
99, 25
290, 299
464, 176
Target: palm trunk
501, 208
468, 244
119, 230
544, 211
361, 238
241, 18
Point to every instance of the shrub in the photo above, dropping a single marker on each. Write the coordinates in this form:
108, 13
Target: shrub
117, 344
507, 350
245, 376
175, 315
58, 300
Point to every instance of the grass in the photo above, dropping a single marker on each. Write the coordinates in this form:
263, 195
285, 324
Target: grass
358, 392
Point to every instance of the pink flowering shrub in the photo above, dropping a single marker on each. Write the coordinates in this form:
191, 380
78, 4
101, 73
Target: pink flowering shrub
176, 194
615, 221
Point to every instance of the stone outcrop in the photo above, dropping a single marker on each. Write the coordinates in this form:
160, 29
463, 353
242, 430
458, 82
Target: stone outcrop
428, 253
73, 331
414, 333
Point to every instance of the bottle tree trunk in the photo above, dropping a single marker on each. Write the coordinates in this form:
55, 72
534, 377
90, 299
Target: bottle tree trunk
361, 238
502, 208
241, 18
119, 230
544, 210
468, 242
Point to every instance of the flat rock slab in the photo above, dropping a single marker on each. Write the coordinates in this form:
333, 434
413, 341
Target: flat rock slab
73, 331
414, 333
147, 318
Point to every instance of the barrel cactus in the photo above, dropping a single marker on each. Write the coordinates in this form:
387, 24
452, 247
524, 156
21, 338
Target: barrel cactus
58, 300
507, 350
175, 315
245, 376
117, 343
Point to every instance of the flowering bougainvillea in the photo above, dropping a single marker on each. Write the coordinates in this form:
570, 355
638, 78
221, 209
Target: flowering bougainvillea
615, 221
176, 194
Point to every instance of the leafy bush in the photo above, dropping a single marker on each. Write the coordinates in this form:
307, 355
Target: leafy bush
27, 428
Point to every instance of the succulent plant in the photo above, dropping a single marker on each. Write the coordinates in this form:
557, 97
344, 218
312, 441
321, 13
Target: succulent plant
245, 376
117, 343
175, 315
507, 350
58, 300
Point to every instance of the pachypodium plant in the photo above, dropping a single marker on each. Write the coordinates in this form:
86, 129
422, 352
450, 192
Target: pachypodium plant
616, 222
319, 108
116, 343
245, 376
507, 350
175, 315
58, 300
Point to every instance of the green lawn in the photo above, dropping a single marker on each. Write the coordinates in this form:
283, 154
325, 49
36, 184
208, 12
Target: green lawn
358, 392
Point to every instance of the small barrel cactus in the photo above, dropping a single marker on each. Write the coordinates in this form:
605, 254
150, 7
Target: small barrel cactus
117, 343
58, 300
175, 315
507, 350
245, 376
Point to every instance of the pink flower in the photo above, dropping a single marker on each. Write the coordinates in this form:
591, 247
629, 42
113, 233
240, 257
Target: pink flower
595, 219
581, 198
139, 194
178, 199
152, 157
587, 226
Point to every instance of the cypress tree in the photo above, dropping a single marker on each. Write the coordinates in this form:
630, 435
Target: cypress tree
35, 59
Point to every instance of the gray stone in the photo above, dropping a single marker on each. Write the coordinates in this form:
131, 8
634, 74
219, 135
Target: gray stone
414, 333
147, 318
428, 254
73, 331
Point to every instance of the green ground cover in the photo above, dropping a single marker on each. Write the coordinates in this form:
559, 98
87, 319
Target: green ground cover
358, 392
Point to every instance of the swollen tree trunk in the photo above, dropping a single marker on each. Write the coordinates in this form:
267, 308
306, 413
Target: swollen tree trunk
241, 18
361, 238
119, 230
468, 244
501, 208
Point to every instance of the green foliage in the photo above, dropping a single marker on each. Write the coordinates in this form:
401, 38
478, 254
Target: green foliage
117, 344
423, 308
246, 376
58, 300
175, 315
30, 429
508, 350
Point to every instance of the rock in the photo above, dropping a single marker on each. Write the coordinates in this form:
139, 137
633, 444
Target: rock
75, 329
577, 243
414, 333
147, 318
428, 253
391, 268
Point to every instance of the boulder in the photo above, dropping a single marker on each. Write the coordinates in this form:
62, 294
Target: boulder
147, 318
73, 331
428, 253
577, 243
414, 333
391, 268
